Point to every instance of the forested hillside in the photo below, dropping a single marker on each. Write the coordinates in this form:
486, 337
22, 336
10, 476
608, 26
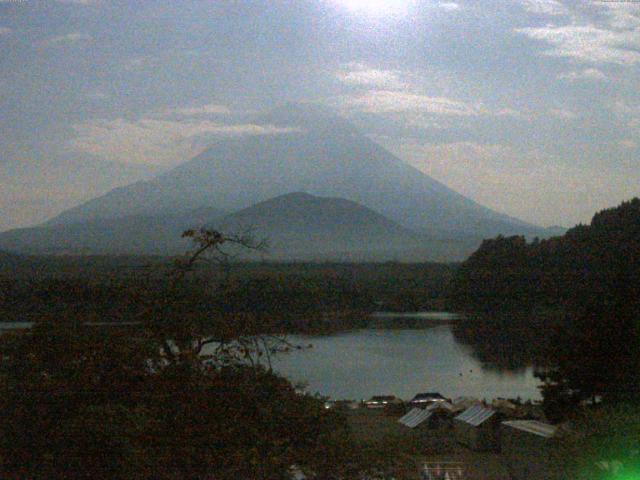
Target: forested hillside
573, 301
590, 262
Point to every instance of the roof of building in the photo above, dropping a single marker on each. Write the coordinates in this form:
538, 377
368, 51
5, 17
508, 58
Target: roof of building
441, 406
476, 415
415, 417
428, 396
379, 398
533, 426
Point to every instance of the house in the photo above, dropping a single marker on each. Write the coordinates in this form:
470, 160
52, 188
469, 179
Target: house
421, 400
433, 416
478, 428
527, 447
415, 417
381, 401
504, 405
462, 403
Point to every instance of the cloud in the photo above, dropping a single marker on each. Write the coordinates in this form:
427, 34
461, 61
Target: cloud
142, 62
588, 43
74, 37
623, 14
79, 2
628, 143
449, 6
156, 141
399, 93
563, 114
544, 7
625, 108
391, 101
514, 179
359, 75
209, 109
97, 95
586, 74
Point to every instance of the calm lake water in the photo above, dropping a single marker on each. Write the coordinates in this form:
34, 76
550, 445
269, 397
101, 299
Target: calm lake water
401, 362
368, 362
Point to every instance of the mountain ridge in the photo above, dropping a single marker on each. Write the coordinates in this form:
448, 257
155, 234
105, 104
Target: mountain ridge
320, 154
297, 226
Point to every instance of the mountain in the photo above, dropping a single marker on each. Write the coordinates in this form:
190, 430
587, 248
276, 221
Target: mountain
554, 231
303, 227
135, 234
33, 190
297, 226
315, 152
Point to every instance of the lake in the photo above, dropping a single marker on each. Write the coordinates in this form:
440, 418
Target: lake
402, 362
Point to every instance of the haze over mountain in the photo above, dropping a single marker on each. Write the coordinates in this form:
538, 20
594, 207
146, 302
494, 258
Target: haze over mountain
320, 154
297, 226
134, 234
303, 226
60, 183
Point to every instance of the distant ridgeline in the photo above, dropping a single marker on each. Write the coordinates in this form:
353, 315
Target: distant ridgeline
572, 302
323, 191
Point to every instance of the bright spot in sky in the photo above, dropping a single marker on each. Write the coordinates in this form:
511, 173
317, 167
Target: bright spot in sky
377, 8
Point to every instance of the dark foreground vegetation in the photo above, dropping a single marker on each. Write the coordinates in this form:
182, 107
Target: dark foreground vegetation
571, 304
79, 399
300, 297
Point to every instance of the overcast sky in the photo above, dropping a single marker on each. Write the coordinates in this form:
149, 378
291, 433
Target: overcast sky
530, 107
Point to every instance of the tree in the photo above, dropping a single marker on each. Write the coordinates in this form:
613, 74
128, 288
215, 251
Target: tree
587, 283
171, 397
597, 357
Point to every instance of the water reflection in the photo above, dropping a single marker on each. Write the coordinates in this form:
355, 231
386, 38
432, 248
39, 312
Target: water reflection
449, 358
362, 363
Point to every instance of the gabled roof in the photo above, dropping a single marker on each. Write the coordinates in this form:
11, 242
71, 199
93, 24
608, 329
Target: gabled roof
532, 426
440, 406
415, 417
476, 415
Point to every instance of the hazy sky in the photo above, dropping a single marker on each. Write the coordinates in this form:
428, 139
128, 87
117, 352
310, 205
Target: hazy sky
531, 107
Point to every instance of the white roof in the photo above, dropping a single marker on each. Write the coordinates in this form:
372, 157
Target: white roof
415, 417
476, 415
532, 426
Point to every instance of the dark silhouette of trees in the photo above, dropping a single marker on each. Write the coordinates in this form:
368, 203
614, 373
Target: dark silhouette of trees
174, 396
591, 276
603, 442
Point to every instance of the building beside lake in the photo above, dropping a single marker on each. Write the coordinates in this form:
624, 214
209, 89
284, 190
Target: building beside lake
416, 417
382, 401
436, 414
527, 448
422, 400
478, 428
